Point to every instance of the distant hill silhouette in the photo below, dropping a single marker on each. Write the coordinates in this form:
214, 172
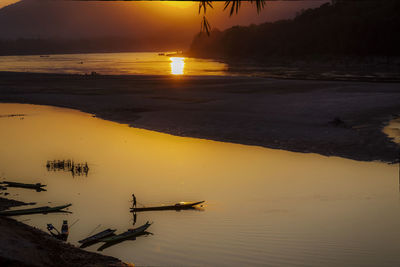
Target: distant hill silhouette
344, 28
47, 26
39, 46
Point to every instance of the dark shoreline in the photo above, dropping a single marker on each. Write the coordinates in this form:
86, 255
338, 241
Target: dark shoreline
317, 68
294, 115
23, 245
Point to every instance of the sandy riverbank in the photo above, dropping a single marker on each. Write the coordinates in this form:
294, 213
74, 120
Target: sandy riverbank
293, 115
23, 245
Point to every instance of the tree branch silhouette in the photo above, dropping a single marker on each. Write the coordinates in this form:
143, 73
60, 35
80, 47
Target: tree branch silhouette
232, 5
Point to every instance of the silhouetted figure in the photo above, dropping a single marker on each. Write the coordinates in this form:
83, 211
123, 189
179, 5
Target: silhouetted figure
134, 200
64, 231
55, 233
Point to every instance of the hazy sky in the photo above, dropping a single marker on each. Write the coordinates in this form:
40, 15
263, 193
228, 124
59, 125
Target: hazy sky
179, 21
274, 10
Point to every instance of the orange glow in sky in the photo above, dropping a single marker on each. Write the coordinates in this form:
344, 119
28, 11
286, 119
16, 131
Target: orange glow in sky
180, 4
171, 21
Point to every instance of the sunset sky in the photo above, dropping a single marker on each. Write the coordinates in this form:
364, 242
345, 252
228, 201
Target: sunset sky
185, 5
178, 21
188, 11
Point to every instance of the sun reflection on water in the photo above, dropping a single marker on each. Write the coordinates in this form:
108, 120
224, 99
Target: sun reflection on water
177, 65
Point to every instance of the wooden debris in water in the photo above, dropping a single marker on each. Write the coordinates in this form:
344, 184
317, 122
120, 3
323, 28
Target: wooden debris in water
12, 115
76, 169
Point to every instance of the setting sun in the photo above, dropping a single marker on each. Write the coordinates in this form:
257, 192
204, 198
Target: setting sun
177, 65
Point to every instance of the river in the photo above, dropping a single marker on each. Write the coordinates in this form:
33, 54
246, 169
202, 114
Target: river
133, 63
263, 207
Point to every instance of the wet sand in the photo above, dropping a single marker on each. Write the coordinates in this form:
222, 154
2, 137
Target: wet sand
23, 245
295, 115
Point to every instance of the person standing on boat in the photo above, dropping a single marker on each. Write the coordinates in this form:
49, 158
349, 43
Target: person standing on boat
134, 200
64, 231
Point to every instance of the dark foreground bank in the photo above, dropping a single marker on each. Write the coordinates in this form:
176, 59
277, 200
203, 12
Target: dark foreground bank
333, 118
23, 245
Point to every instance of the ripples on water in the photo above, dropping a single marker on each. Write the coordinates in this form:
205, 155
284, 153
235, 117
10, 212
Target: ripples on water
263, 206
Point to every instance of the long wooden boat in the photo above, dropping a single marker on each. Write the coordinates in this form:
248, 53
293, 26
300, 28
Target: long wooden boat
37, 186
177, 206
128, 234
110, 244
98, 236
44, 210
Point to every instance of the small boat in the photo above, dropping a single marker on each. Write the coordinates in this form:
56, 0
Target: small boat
43, 210
110, 244
177, 206
131, 233
37, 186
97, 237
176, 54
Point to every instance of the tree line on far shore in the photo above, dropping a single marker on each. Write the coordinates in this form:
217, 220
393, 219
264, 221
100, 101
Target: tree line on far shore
39, 46
338, 29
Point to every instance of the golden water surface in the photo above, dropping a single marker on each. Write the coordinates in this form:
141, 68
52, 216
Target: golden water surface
144, 63
263, 206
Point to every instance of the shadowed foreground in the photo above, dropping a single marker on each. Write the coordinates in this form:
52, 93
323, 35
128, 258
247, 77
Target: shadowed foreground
330, 118
23, 245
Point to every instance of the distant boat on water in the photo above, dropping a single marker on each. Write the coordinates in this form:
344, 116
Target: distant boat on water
177, 206
177, 54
